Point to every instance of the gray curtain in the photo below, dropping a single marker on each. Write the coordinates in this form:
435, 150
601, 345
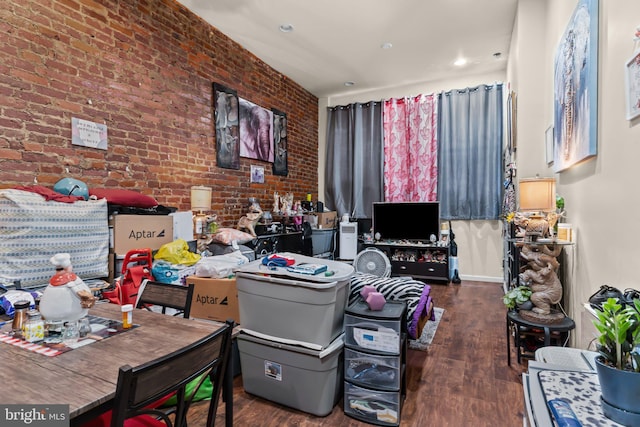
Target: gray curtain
470, 153
354, 171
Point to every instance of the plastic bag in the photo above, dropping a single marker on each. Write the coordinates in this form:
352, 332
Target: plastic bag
8, 299
220, 266
203, 393
177, 252
165, 272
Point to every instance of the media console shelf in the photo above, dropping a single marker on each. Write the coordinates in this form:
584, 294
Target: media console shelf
419, 260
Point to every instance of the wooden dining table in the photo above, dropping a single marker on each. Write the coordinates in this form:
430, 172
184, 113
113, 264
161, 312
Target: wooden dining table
85, 378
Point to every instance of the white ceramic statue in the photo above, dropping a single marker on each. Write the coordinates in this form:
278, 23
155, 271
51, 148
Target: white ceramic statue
276, 203
67, 297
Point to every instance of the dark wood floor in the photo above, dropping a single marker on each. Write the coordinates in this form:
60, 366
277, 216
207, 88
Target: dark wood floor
462, 380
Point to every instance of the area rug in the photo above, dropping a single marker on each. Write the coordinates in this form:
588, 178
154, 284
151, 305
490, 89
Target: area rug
428, 332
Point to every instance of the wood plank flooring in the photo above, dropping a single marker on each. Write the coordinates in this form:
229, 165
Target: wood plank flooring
462, 380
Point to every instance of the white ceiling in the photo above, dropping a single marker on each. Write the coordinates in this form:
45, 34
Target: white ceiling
335, 41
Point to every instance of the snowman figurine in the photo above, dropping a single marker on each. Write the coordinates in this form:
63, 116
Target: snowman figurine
67, 297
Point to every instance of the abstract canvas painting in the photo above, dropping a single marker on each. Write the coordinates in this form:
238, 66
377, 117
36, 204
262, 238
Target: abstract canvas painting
227, 130
576, 88
256, 131
280, 150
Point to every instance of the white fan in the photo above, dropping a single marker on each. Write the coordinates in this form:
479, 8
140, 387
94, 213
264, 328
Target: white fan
372, 261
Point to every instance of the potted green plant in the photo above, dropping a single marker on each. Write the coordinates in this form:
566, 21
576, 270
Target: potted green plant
516, 297
618, 365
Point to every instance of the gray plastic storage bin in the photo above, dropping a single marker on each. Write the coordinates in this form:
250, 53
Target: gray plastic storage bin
291, 306
303, 379
322, 241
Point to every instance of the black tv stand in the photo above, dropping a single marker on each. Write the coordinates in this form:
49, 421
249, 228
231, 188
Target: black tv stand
416, 259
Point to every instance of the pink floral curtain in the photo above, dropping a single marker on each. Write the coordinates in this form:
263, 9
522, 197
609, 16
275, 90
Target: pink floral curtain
411, 149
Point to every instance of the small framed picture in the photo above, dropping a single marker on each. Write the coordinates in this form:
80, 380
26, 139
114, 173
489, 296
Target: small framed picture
548, 141
632, 79
257, 174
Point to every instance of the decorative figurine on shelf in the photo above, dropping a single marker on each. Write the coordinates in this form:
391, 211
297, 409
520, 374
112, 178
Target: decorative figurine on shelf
541, 276
276, 203
249, 221
67, 297
286, 204
536, 226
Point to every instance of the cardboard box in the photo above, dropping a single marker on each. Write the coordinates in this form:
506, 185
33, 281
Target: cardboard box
139, 231
214, 299
182, 225
327, 219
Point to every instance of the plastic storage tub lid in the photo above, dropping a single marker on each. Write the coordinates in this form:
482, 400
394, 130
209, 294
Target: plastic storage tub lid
340, 270
292, 345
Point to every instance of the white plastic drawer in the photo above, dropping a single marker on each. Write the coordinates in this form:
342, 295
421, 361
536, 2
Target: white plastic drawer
370, 370
373, 406
372, 334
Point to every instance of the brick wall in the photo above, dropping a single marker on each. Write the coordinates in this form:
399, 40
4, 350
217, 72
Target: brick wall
144, 68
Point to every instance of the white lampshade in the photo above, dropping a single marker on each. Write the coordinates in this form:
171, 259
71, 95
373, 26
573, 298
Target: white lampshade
200, 198
537, 194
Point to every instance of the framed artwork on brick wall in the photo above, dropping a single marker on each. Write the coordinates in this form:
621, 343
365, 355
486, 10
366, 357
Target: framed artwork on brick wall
280, 165
226, 113
256, 131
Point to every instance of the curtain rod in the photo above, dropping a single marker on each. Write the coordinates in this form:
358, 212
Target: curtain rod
360, 104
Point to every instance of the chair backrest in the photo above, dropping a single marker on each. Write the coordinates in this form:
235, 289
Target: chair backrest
138, 388
167, 295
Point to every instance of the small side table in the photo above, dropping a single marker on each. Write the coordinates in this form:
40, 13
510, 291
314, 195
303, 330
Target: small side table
567, 324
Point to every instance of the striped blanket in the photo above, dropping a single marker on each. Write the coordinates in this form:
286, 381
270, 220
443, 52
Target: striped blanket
414, 292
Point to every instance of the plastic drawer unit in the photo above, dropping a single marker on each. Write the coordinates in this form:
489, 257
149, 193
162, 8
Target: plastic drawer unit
375, 361
378, 331
373, 406
371, 370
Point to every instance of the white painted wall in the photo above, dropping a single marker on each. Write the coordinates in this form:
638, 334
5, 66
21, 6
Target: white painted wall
601, 193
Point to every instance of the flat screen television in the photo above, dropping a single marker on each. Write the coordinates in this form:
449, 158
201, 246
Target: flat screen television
412, 221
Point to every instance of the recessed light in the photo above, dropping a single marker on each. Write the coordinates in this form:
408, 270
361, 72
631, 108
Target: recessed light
286, 28
386, 45
460, 62
349, 83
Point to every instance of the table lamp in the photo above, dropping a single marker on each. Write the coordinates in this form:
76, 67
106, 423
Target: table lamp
537, 196
200, 202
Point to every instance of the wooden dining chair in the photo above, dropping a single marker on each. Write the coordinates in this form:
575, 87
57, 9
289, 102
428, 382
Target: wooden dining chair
139, 387
166, 295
